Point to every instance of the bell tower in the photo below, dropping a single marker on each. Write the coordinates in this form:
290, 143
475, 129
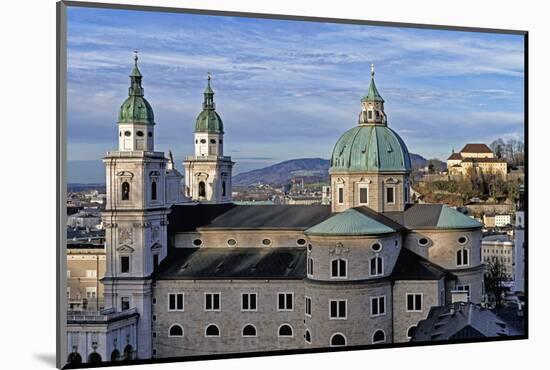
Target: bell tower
135, 216
208, 172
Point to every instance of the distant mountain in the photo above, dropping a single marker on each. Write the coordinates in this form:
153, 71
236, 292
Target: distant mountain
311, 169
282, 173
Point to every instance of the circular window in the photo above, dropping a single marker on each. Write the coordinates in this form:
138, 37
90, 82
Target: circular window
127, 133
212, 141
150, 134
139, 133
203, 141
231, 242
377, 247
301, 242
197, 242
221, 141
196, 141
266, 241
120, 133
423, 241
462, 240
309, 247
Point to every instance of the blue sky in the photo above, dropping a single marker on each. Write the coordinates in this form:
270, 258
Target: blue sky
287, 89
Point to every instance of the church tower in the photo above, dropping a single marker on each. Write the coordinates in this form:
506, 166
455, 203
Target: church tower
135, 216
208, 171
370, 164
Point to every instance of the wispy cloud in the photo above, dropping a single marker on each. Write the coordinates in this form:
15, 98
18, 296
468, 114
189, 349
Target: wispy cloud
288, 89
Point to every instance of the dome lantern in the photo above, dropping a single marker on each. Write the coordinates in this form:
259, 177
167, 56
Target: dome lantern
372, 105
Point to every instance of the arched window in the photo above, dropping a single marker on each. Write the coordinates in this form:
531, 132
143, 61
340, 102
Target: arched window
285, 330
125, 190
115, 355
337, 340
376, 266
94, 358
411, 331
249, 331
339, 268
202, 189
462, 257
308, 336
175, 331
379, 337
223, 188
212, 331
154, 190
128, 353
74, 358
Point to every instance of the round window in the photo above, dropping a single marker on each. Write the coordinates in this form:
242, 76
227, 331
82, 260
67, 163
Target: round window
203, 141
196, 141
150, 134
231, 242
127, 133
197, 242
462, 240
309, 247
301, 242
423, 241
212, 141
266, 241
139, 133
221, 141
377, 247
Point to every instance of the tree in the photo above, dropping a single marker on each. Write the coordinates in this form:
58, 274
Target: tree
495, 277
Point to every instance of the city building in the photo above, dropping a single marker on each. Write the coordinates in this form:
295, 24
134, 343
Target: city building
520, 244
497, 220
203, 275
461, 320
85, 269
499, 247
476, 158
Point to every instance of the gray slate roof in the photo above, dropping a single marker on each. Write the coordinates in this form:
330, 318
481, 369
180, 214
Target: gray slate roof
468, 321
232, 216
411, 266
432, 216
236, 263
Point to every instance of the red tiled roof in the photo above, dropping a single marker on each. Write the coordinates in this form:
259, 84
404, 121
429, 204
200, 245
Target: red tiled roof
455, 156
476, 148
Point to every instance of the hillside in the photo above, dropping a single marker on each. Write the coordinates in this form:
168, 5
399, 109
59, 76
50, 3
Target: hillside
311, 169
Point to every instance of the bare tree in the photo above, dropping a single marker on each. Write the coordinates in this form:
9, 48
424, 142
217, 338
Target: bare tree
495, 277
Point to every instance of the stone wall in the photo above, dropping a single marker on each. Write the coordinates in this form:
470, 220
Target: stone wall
230, 319
431, 291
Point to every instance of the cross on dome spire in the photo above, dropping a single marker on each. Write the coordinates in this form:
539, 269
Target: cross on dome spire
372, 70
208, 94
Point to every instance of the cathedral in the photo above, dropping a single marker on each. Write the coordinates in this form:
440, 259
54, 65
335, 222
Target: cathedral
190, 273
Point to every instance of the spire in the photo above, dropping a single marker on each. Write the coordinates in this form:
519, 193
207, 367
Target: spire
135, 79
372, 94
208, 95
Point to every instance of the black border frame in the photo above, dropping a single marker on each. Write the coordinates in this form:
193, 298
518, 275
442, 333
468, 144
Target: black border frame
61, 183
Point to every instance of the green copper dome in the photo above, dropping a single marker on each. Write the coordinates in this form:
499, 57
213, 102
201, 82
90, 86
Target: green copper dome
208, 120
135, 108
375, 148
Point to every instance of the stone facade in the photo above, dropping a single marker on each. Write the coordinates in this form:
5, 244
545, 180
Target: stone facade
376, 185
